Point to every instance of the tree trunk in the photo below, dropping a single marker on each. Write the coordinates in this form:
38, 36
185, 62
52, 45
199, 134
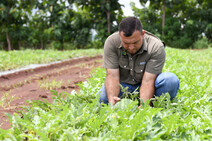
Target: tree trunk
41, 42
62, 44
8, 41
19, 45
108, 22
1, 45
163, 20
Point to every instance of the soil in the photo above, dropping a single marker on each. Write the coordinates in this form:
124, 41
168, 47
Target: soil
32, 84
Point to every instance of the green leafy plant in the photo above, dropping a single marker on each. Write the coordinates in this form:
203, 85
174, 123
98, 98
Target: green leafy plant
79, 115
201, 43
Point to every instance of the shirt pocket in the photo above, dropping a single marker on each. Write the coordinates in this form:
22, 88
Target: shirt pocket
124, 68
139, 71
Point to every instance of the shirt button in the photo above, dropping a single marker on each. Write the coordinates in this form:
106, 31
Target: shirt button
125, 66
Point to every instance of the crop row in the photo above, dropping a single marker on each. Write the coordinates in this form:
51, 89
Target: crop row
79, 116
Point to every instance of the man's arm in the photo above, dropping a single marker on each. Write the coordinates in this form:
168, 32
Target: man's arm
112, 85
147, 88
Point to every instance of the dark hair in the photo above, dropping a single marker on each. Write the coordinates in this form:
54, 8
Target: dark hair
129, 25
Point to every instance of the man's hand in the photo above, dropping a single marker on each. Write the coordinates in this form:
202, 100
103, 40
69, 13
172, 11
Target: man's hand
114, 100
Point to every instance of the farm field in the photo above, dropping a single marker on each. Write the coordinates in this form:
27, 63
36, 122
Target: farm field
35, 84
75, 114
16, 59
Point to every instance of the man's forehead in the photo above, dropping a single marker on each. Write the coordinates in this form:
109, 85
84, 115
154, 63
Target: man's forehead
130, 41
136, 36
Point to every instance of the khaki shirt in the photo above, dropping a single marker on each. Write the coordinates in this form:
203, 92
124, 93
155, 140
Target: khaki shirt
150, 58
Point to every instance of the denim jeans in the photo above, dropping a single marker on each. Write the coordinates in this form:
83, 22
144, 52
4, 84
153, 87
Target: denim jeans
165, 83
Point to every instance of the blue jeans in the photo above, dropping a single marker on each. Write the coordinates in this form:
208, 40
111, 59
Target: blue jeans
165, 83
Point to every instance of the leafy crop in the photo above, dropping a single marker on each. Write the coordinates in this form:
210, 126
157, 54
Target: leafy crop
79, 116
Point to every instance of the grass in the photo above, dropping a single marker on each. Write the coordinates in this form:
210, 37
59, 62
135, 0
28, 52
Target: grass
79, 116
16, 59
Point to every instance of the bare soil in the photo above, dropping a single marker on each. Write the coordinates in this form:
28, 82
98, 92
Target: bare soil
32, 84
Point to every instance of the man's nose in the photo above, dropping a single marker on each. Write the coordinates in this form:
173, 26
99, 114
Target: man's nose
131, 46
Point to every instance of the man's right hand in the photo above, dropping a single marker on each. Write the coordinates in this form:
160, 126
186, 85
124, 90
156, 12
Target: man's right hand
114, 100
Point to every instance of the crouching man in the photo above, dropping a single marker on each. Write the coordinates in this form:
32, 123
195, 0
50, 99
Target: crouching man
135, 58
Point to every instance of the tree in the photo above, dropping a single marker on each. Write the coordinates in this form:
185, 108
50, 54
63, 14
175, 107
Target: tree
149, 17
106, 15
82, 25
38, 22
9, 13
38, 25
53, 21
183, 22
13, 17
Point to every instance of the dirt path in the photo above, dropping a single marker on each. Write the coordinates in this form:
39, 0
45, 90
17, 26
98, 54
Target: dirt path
35, 84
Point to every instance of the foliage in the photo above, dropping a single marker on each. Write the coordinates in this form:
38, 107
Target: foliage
82, 25
201, 43
16, 59
186, 21
38, 29
13, 15
106, 15
148, 16
56, 45
80, 116
36, 24
97, 44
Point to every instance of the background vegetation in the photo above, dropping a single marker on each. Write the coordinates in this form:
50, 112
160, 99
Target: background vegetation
71, 24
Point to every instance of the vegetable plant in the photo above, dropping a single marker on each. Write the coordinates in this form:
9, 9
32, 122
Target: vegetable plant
79, 115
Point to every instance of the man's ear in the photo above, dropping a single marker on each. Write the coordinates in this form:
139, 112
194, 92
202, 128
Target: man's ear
143, 32
119, 33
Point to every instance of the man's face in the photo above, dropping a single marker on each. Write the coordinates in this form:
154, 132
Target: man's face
132, 43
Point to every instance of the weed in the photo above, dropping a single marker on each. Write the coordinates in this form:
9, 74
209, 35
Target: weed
6, 99
50, 84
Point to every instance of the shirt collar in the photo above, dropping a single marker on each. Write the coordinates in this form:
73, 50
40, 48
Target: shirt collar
120, 43
143, 48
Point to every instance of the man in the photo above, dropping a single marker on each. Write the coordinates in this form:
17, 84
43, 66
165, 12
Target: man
134, 58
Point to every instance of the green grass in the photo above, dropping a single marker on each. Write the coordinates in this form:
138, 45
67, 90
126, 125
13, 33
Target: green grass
81, 117
16, 59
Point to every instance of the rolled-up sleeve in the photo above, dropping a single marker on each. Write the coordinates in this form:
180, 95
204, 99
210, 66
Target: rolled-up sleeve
110, 55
